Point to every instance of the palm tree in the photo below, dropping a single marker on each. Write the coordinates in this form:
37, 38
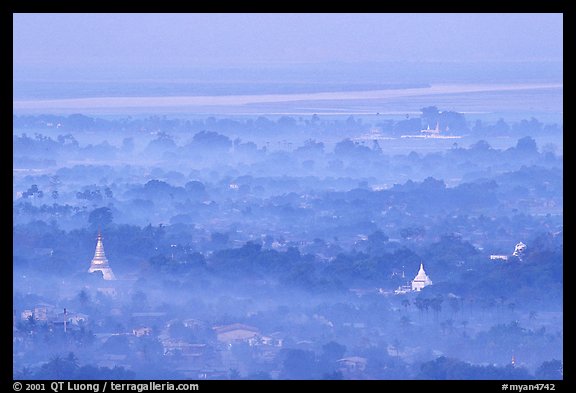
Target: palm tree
25, 373
83, 297
426, 303
454, 305
419, 303
54, 369
436, 305
72, 360
234, 374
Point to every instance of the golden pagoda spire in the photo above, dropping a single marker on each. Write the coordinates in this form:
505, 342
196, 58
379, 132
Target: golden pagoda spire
100, 262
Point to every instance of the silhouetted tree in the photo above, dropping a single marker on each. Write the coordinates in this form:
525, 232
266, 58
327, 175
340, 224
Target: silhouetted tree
550, 370
299, 364
100, 218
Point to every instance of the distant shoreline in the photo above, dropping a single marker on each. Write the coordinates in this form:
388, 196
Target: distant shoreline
195, 103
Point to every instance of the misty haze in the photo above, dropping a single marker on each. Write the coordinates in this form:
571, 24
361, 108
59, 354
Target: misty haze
287, 196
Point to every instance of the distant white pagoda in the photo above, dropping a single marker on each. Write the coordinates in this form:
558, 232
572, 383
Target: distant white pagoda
519, 250
100, 262
421, 280
428, 131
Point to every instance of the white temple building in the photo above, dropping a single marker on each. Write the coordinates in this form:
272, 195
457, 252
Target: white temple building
100, 262
519, 250
421, 280
428, 131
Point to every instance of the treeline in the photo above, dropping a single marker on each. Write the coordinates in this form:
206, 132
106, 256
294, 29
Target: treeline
456, 265
303, 364
449, 122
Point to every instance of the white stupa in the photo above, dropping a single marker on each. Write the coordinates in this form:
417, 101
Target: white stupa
421, 280
100, 262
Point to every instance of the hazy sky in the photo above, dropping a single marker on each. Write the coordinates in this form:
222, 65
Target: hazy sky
223, 39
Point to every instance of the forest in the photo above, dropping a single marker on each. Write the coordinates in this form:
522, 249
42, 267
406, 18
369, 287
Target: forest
273, 248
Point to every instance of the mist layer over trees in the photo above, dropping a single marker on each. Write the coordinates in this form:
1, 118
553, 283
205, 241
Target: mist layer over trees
273, 248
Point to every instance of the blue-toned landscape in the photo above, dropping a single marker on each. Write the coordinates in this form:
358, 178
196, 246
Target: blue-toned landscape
288, 196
